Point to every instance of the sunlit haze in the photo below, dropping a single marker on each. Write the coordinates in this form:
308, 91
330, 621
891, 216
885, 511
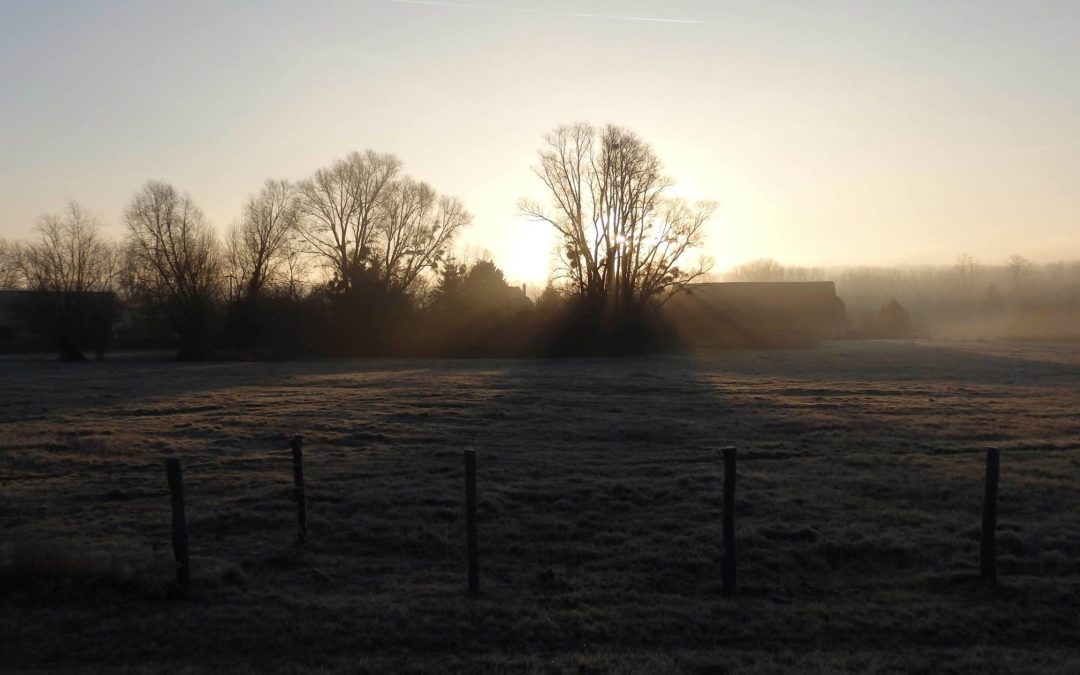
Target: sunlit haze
829, 133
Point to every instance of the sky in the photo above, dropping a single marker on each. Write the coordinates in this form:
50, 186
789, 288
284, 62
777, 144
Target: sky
829, 133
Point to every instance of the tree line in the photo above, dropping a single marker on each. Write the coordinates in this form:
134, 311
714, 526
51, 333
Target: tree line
357, 259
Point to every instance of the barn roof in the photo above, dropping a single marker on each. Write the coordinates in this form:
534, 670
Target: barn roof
817, 295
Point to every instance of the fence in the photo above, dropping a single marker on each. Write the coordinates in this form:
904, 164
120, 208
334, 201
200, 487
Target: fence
728, 564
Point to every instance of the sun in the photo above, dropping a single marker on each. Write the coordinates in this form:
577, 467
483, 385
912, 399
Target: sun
525, 253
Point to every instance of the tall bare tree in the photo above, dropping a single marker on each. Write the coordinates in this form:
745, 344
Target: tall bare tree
259, 244
416, 229
340, 206
623, 239
71, 269
177, 258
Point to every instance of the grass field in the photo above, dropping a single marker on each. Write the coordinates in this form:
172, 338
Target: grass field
858, 513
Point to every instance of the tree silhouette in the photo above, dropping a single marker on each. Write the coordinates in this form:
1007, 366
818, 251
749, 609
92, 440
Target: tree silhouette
175, 260
623, 240
70, 268
11, 276
762, 269
415, 230
258, 245
340, 206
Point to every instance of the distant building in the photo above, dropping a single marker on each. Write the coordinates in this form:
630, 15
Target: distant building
755, 314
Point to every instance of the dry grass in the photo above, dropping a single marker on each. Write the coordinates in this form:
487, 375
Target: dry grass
858, 506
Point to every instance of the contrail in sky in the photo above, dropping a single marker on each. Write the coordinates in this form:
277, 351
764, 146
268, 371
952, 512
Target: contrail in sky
525, 10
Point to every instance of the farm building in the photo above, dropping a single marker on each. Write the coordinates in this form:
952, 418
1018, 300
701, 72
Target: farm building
754, 314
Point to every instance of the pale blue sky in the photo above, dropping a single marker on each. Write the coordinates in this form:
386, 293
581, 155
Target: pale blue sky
829, 132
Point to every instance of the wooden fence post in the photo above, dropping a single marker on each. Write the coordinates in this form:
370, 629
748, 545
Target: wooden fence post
988, 557
727, 562
470, 520
179, 521
298, 482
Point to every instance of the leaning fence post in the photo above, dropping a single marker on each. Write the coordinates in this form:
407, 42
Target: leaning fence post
179, 521
727, 562
988, 557
470, 520
297, 445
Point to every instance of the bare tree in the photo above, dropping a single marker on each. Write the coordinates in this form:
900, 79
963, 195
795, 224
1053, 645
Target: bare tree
762, 269
416, 230
176, 258
71, 268
803, 274
623, 239
11, 275
339, 207
1020, 272
259, 244
294, 268
966, 269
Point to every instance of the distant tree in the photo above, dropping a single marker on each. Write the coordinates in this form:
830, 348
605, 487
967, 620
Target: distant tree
258, 246
259, 261
624, 241
475, 286
294, 269
551, 299
476, 312
762, 269
451, 278
1020, 272
966, 270
803, 274
71, 269
415, 230
175, 260
340, 206
10, 274
485, 287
